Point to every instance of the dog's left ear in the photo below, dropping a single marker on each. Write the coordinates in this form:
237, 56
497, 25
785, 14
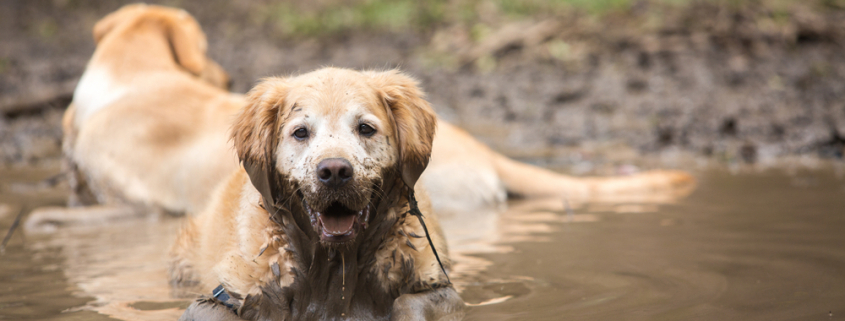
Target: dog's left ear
183, 32
414, 121
255, 133
110, 21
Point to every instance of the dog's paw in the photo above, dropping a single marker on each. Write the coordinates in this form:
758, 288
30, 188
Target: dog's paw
208, 310
440, 304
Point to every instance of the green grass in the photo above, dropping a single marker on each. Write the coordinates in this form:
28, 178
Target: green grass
401, 15
308, 19
312, 18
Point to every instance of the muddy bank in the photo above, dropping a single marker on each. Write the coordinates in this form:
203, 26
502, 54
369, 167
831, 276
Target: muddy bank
736, 83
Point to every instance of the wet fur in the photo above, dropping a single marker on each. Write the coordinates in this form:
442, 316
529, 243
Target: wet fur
257, 240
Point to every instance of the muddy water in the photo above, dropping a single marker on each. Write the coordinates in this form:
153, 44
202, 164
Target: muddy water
765, 246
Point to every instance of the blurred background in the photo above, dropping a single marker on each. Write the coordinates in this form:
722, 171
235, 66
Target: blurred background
570, 84
581, 86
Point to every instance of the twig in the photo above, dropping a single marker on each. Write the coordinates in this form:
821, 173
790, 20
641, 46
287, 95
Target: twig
11, 230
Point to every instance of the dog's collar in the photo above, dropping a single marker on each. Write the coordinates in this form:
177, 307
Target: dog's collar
219, 293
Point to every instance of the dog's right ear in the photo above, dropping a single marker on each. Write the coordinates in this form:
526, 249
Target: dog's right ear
188, 42
256, 135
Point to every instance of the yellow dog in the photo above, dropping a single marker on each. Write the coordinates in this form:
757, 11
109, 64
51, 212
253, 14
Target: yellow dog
147, 127
318, 225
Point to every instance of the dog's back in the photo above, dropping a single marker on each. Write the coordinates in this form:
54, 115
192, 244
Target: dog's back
147, 125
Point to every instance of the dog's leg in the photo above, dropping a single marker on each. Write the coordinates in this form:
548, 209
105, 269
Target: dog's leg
441, 304
80, 193
46, 219
183, 277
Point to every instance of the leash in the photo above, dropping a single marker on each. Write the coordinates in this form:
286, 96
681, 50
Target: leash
415, 211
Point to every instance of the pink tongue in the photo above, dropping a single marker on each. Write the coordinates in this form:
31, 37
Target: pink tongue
337, 224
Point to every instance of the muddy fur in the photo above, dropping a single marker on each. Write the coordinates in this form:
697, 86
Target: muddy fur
322, 291
331, 282
263, 243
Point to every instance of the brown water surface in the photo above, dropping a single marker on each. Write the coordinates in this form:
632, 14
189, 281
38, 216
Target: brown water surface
742, 247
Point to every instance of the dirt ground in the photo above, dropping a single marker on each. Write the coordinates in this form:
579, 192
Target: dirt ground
741, 82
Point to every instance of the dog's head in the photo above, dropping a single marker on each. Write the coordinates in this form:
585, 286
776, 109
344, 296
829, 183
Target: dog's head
182, 32
332, 135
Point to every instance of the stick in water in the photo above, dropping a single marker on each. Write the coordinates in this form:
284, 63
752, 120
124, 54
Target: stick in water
11, 230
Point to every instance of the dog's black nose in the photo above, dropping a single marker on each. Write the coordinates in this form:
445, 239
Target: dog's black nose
334, 172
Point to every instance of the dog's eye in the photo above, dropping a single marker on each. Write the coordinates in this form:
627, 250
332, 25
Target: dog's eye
301, 133
366, 130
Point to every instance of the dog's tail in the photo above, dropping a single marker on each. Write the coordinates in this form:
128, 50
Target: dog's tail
531, 181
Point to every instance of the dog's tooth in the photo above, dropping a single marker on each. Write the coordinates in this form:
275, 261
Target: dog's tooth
366, 213
315, 219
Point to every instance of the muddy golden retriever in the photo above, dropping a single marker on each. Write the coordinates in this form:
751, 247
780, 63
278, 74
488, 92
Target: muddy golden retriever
318, 225
147, 127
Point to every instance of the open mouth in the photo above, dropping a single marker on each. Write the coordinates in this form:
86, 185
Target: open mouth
337, 223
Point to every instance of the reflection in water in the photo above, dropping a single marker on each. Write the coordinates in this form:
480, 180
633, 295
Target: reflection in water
741, 247
122, 265
490, 231
482, 232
